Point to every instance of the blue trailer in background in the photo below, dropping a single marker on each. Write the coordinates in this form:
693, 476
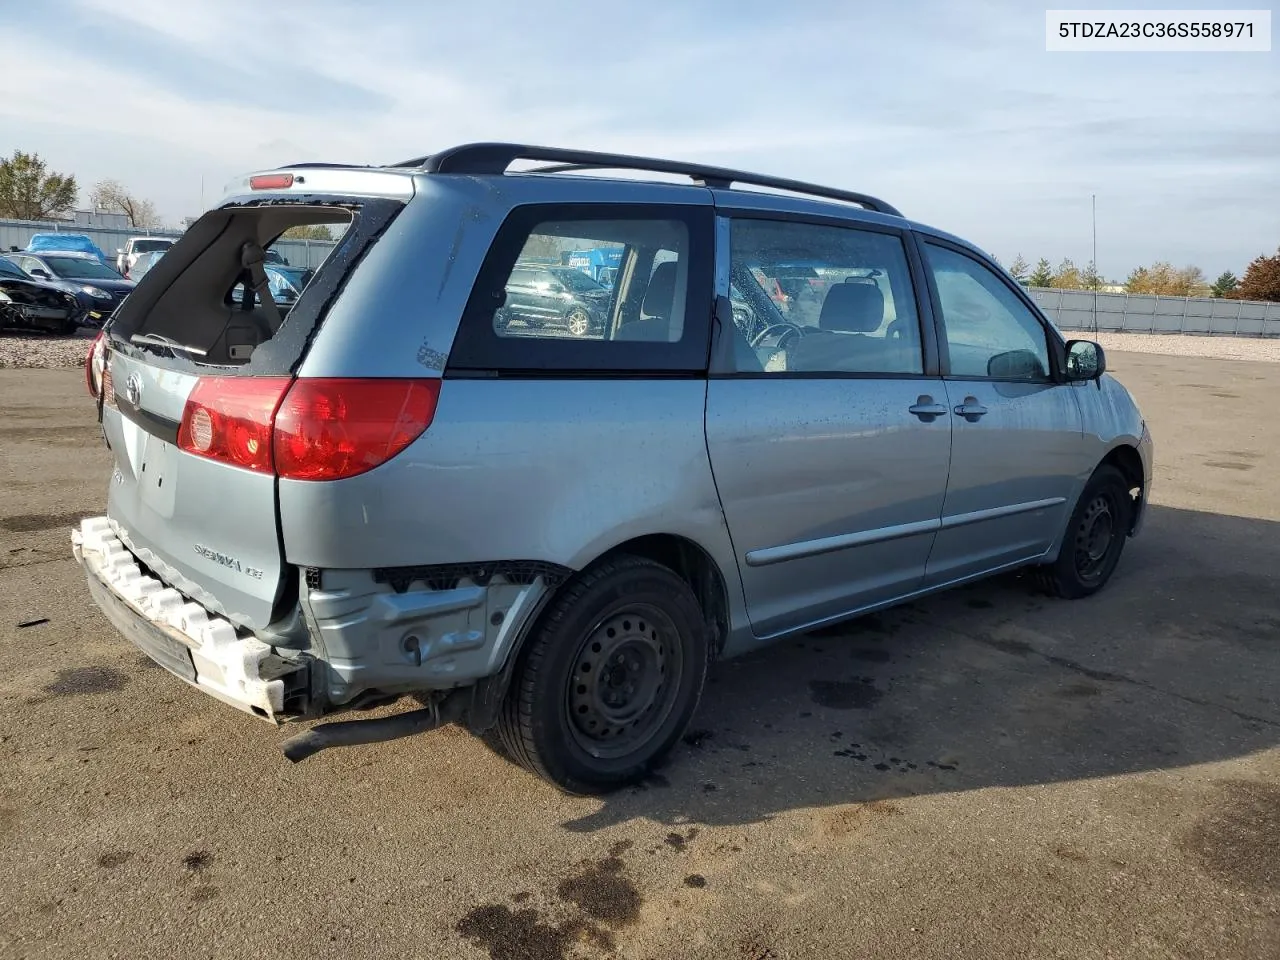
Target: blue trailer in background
601, 265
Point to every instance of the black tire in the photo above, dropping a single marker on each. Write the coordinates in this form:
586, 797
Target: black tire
630, 611
1094, 539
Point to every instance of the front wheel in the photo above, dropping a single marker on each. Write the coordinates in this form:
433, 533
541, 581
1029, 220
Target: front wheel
1095, 537
610, 679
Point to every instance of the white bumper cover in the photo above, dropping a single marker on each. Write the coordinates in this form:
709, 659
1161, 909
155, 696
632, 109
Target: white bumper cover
226, 665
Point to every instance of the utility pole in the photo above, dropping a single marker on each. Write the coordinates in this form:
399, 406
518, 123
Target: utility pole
1093, 199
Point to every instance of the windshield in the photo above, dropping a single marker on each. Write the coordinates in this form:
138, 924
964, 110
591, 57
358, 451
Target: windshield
78, 268
148, 246
10, 269
577, 281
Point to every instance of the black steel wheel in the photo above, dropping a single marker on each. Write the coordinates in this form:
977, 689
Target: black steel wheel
1094, 539
624, 681
610, 678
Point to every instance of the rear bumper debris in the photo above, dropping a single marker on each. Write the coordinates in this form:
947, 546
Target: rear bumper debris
183, 637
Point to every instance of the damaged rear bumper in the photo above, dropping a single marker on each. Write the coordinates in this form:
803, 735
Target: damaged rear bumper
183, 637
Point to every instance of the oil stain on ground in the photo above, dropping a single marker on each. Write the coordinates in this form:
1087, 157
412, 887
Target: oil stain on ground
1237, 839
75, 681
521, 935
601, 891
856, 694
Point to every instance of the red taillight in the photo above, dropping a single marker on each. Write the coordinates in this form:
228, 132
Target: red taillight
327, 429
229, 419
308, 429
271, 181
93, 366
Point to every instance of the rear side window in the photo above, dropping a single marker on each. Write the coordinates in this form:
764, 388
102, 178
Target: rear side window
592, 288
245, 287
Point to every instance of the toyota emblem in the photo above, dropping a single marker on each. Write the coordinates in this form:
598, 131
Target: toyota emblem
133, 389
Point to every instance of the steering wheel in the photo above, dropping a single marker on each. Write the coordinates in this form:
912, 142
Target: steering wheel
788, 329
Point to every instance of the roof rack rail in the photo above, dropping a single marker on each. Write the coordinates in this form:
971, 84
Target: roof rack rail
491, 158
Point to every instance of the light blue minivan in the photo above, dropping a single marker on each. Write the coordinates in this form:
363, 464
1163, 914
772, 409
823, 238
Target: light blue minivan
376, 489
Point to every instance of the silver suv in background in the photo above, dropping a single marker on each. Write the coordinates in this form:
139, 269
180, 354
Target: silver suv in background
384, 488
127, 256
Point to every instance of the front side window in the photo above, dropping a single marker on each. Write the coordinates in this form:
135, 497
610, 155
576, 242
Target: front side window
536, 304
815, 299
990, 333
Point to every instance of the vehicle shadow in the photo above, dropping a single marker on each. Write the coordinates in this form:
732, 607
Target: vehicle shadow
1173, 664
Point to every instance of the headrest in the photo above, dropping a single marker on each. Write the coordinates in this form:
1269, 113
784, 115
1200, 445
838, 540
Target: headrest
852, 308
660, 298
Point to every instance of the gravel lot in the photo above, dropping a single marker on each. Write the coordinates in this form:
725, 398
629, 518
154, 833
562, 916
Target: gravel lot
982, 774
1176, 345
18, 351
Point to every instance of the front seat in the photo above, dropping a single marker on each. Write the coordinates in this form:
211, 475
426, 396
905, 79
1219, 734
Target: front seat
850, 311
656, 309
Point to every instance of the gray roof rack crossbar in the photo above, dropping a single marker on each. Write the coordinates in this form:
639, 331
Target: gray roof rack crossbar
494, 158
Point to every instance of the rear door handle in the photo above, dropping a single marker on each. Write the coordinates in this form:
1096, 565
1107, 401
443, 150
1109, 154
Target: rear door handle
971, 409
926, 408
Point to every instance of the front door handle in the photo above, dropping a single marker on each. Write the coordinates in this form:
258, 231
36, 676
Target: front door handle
971, 409
926, 408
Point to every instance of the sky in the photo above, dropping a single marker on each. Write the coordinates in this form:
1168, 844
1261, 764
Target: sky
952, 112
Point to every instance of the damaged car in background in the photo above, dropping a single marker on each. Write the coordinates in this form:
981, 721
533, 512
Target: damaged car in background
28, 304
379, 488
99, 288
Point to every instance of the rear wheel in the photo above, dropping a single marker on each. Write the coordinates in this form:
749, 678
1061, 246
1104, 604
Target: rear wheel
1094, 539
611, 678
579, 322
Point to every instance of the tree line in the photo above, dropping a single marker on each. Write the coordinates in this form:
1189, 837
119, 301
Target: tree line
29, 191
1261, 279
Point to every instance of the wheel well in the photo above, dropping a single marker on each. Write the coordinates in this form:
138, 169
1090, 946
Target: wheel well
695, 566
1127, 460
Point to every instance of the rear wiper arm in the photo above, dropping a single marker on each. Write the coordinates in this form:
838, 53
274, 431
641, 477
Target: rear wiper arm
158, 340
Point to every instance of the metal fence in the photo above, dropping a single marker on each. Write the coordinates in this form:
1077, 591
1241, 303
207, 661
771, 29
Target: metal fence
16, 233
1145, 313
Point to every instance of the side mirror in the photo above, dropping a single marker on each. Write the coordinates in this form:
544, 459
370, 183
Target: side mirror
1086, 360
42, 274
1016, 365
119, 251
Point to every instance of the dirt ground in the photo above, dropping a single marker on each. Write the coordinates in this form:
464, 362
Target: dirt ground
984, 774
